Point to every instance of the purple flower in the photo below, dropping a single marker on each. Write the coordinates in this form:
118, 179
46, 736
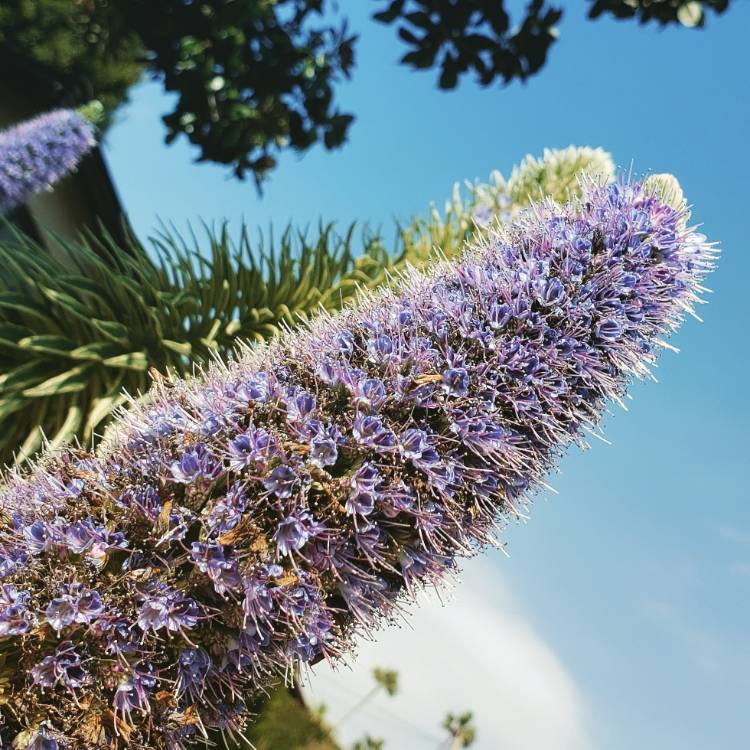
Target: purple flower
369, 393
371, 431
480, 434
15, 616
241, 452
291, 535
40, 537
552, 292
42, 741
258, 602
379, 348
246, 650
193, 667
323, 450
456, 381
196, 463
608, 330
256, 388
282, 481
130, 695
211, 559
344, 342
365, 479
414, 443
75, 604
39, 152
79, 536
227, 511
63, 667
300, 407
252, 448
165, 608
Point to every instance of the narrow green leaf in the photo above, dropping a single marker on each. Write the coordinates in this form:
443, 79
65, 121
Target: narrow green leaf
24, 376
101, 409
11, 405
13, 333
131, 361
113, 330
47, 344
69, 427
22, 304
71, 381
71, 304
97, 351
179, 347
31, 445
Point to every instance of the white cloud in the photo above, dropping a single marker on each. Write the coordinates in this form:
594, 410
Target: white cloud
477, 652
735, 534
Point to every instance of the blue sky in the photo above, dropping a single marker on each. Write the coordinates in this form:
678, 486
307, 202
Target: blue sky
619, 620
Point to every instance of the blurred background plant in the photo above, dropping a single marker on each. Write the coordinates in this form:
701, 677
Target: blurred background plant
461, 730
81, 326
284, 721
473, 206
386, 680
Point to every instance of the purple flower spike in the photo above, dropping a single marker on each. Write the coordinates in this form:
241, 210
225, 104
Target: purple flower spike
347, 466
37, 153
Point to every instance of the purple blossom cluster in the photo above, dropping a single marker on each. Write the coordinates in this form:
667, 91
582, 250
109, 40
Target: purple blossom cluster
254, 519
37, 153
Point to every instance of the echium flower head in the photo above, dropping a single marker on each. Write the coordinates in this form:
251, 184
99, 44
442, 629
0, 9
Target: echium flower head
36, 154
346, 466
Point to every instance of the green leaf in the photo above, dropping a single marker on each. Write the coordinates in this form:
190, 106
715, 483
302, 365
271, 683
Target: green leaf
47, 344
24, 376
131, 361
30, 445
12, 333
112, 330
69, 427
177, 346
71, 381
67, 302
20, 303
98, 351
11, 405
101, 409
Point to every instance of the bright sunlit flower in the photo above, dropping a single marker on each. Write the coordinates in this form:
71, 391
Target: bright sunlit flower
347, 465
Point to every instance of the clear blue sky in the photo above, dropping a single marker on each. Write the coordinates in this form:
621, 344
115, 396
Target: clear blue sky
637, 575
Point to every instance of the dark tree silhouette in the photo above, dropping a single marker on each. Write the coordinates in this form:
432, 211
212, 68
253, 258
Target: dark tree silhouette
253, 78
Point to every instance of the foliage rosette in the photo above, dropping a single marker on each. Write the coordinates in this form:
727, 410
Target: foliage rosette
37, 153
80, 327
257, 517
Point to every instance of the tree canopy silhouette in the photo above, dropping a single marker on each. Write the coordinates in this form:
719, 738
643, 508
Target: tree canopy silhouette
254, 78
